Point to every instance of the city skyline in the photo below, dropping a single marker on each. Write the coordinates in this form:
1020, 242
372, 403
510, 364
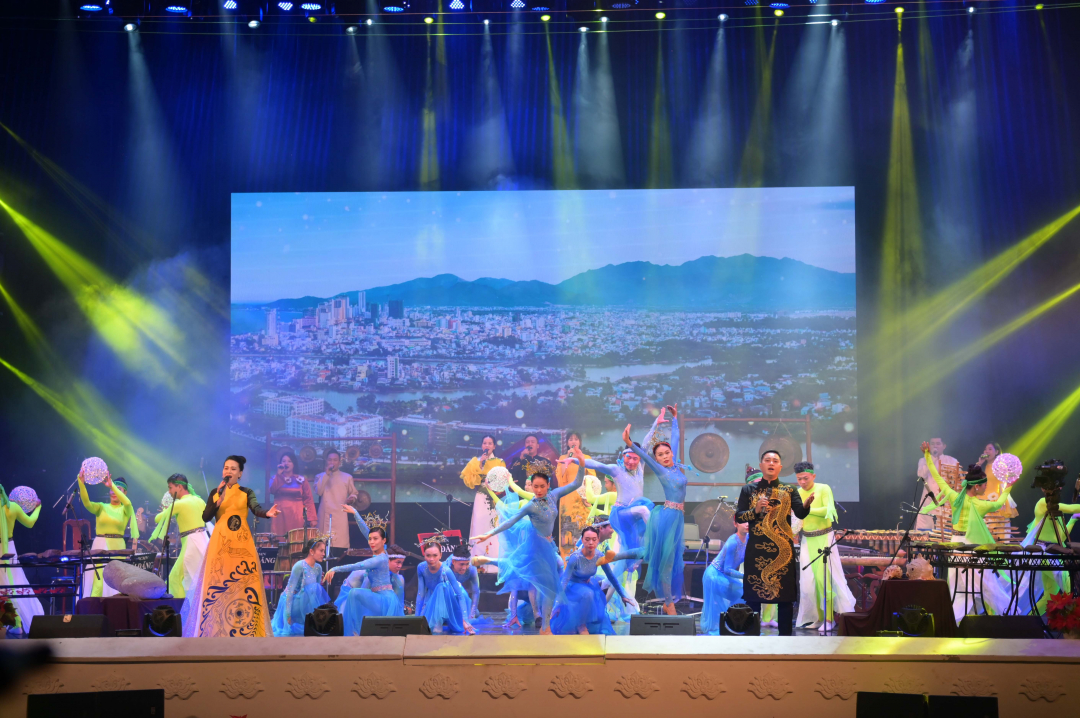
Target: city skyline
322, 244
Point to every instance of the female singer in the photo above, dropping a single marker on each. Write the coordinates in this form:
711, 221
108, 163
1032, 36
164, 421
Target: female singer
536, 559
573, 511
292, 492
304, 592
187, 508
582, 604
26, 603
380, 599
439, 597
484, 512
723, 581
112, 519
227, 599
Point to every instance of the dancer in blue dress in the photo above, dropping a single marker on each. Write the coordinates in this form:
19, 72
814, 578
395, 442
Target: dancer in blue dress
536, 559
439, 597
663, 546
303, 594
359, 579
723, 581
507, 506
380, 599
467, 577
582, 604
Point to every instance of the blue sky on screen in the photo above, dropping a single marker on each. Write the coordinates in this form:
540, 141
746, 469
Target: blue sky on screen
297, 244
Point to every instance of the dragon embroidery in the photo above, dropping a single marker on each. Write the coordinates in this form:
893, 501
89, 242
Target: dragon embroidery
774, 527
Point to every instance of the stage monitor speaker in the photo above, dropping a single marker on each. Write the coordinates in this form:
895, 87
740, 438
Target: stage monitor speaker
324, 621
891, 705
71, 626
740, 620
914, 622
963, 707
163, 622
394, 626
662, 625
100, 704
1001, 627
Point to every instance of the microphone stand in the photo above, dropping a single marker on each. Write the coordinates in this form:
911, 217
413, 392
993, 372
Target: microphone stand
206, 486
65, 493
906, 538
705, 538
823, 556
166, 541
449, 501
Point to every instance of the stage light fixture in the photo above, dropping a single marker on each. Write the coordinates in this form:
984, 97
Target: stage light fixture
428, 20
834, 23
286, 6
778, 12
90, 8
229, 5
368, 21
661, 15
130, 27
1039, 6
253, 24
899, 11
545, 18
620, 6
393, 8
517, 4
486, 21
311, 6
457, 5
583, 29
351, 30
603, 19
971, 10
177, 9
722, 17
779, 5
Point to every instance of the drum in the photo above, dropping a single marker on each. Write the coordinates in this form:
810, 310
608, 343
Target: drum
266, 540
299, 537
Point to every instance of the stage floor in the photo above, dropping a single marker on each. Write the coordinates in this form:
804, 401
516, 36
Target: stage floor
538, 675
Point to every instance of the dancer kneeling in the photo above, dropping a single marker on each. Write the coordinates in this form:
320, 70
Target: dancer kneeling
723, 581
439, 597
303, 594
380, 599
536, 560
582, 604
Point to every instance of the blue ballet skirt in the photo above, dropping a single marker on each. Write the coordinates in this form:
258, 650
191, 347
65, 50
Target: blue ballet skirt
584, 604
720, 593
304, 602
533, 564
442, 605
630, 529
664, 551
355, 603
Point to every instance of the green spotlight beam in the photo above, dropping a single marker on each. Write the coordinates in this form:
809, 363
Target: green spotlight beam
1033, 443
429, 146
562, 152
752, 169
661, 173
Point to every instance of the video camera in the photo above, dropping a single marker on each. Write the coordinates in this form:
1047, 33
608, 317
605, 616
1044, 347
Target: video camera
1050, 476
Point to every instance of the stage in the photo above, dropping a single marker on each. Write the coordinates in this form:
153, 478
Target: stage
540, 675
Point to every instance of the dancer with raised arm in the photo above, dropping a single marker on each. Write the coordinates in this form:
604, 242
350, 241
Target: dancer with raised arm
187, 508
968, 526
723, 580
304, 592
227, 599
112, 519
360, 579
507, 506
582, 604
770, 568
26, 603
536, 560
380, 599
439, 597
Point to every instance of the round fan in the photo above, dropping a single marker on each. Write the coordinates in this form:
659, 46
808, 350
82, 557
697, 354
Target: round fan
25, 497
94, 471
1007, 468
498, 479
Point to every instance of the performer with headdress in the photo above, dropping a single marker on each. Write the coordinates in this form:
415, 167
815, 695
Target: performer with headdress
968, 526
378, 600
26, 603
817, 535
187, 508
723, 580
582, 603
536, 559
227, 599
485, 515
112, 519
304, 592
770, 567
360, 579
467, 577
439, 597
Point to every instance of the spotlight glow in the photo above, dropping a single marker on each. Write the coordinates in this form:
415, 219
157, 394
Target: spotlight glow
351, 30
779, 5
428, 20
368, 21
311, 6
778, 12
91, 8
583, 29
229, 5
971, 10
1039, 6
545, 18
899, 11
620, 6
487, 22
130, 27
722, 17
176, 9
603, 19
661, 15
253, 24
834, 23
286, 6
393, 8
457, 5
517, 4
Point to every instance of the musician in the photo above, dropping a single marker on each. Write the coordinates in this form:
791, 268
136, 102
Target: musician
940, 458
292, 492
770, 566
485, 516
112, 519
26, 603
817, 535
334, 488
187, 509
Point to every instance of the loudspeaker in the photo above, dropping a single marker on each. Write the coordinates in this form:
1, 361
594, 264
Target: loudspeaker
71, 626
163, 622
740, 620
891, 705
324, 621
913, 621
101, 704
963, 707
662, 625
394, 626
1001, 627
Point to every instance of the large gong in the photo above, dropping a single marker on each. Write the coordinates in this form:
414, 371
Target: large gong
362, 502
790, 452
722, 524
709, 453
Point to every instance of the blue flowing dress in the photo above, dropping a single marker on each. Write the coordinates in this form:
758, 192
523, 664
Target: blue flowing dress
723, 583
469, 582
507, 507
303, 594
441, 599
535, 561
378, 600
582, 602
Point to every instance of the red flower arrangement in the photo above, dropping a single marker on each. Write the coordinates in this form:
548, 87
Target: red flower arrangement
7, 613
1063, 612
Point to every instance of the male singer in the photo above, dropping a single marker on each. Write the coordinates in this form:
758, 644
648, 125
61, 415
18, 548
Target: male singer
334, 488
937, 453
769, 567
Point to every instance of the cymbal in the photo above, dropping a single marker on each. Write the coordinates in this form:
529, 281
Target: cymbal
362, 502
790, 452
722, 527
709, 453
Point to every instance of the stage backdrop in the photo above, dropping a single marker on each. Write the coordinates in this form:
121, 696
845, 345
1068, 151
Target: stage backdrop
439, 317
